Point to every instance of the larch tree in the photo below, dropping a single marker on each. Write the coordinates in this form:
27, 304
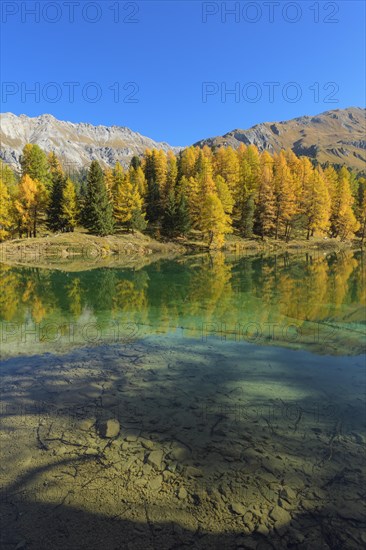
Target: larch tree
331, 178
138, 179
316, 204
155, 173
247, 188
5, 211
285, 198
226, 165
118, 178
206, 189
172, 174
215, 224
8, 177
30, 205
224, 194
343, 219
128, 205
265, 205
69, 206
304, 181
8, 196
205, 175
296, 169
190, 188
187, 162
122, 200
360, 207
109, 183
34, 162
247, 222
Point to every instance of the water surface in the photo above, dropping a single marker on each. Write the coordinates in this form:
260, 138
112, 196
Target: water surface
238, 384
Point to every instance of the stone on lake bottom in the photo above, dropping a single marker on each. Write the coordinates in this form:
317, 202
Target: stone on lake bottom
238, 508
109, 428
182, 493
155, 459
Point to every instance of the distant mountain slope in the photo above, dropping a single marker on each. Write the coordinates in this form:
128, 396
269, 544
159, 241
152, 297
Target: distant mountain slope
337, 136
75, 144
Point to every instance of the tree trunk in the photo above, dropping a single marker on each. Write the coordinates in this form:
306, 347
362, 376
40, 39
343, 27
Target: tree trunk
35, 224
363, 234
276, 228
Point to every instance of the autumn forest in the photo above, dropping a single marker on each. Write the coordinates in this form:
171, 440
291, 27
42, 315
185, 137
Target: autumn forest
207, 193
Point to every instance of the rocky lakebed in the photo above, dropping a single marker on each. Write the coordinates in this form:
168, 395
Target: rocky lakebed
153, 445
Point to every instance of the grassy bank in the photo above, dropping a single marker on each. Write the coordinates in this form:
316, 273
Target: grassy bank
79, 250
235, 243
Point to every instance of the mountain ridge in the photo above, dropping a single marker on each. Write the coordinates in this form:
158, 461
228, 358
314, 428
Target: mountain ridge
337, 136
76, 144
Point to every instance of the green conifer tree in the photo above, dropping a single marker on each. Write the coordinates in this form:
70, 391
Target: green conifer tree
98, 213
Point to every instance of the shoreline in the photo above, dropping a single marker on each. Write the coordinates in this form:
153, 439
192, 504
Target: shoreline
80, 251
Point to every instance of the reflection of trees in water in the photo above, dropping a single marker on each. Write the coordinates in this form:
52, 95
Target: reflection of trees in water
10, 309
74, 295
25, 293
208, 289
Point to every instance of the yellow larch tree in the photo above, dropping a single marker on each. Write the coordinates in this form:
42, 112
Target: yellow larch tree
69, 206
187, 162
316, 204
118, 176
224, 194
226, 165
246, 190
285, 198
171, 178
109, 182
30, 204
138, 180
343, 219
128, 205
5, 211
215, 224
265, 204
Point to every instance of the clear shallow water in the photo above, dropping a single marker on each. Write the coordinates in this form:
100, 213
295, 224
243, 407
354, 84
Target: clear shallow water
245, 377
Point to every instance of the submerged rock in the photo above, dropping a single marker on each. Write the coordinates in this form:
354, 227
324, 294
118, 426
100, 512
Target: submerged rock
182, 493
109, 428
281, 518
87, 424
238, 508
155, 459
155, 483
288, 494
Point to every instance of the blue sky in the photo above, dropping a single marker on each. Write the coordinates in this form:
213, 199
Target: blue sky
165, 69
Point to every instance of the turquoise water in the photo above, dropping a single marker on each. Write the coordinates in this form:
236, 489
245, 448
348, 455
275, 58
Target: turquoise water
304, 302
238, 385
